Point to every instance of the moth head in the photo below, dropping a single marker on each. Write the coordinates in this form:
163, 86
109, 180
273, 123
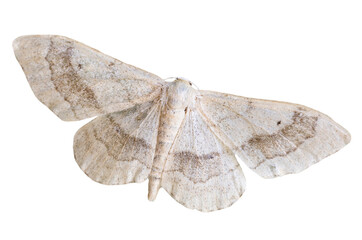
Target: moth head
180, 93
183, 82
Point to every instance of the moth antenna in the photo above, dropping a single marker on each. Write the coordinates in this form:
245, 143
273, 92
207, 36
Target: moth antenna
169, 79
193, 84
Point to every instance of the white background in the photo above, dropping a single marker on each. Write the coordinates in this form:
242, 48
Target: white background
307, 52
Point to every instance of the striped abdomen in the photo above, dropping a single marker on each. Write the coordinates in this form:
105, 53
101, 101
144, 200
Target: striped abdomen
170, 122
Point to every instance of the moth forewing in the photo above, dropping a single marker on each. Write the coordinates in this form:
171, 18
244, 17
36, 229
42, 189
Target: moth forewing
274, 138
77, 82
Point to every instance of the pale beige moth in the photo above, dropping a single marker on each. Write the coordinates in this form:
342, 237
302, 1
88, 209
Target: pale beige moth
179, 138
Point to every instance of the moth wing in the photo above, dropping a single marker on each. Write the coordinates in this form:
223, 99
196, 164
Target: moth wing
118, 148
273, 138
77, 82
201, 172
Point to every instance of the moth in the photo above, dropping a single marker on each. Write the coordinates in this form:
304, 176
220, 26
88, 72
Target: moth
179, 138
